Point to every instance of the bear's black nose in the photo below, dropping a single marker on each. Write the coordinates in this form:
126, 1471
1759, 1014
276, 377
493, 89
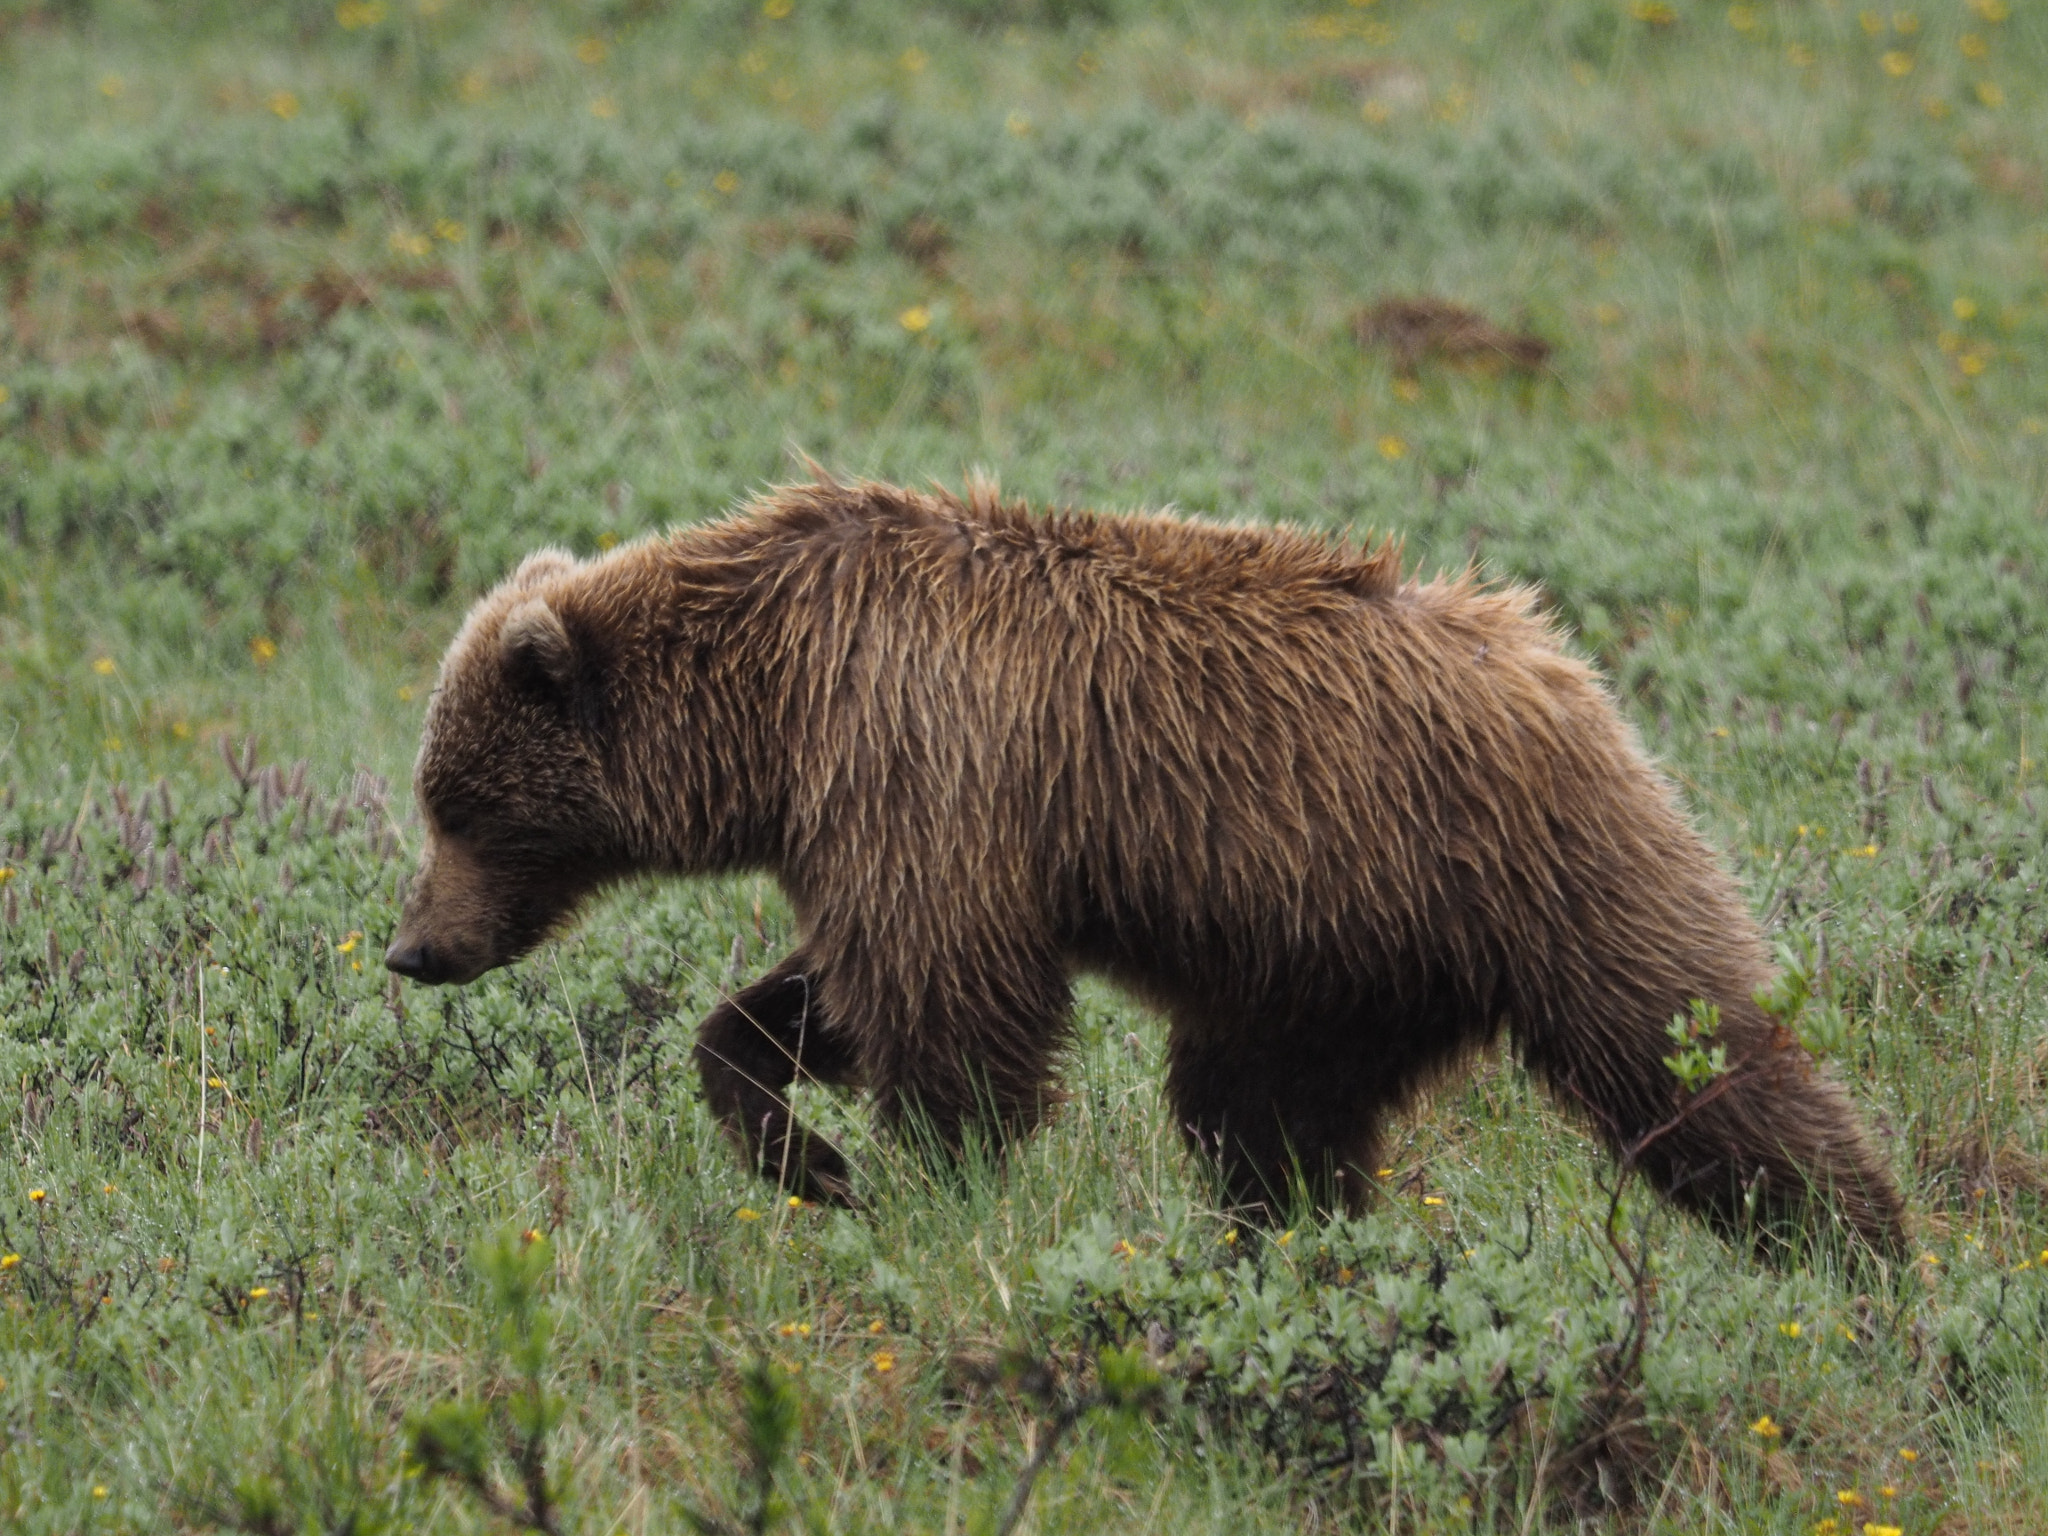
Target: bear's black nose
411, 960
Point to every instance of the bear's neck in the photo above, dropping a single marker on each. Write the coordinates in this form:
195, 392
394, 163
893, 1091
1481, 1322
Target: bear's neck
694, 693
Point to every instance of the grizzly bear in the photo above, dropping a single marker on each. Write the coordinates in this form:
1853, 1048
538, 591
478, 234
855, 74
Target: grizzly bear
1339, 825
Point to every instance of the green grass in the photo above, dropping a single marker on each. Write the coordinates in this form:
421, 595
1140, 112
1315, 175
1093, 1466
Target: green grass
312, 329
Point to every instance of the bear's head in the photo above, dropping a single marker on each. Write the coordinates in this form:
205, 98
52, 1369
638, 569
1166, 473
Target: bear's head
511, 784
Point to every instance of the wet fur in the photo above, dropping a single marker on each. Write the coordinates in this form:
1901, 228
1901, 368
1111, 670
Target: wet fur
1342, 827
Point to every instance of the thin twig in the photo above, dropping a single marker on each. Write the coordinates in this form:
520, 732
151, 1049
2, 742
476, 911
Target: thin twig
1060, 1423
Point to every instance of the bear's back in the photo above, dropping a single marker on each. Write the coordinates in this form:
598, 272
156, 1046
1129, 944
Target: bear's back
1179, 718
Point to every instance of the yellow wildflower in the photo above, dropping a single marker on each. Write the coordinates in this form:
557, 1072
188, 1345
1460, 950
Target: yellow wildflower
449, 230
1799, 55
884, 1362
1767, 1427
1848, 1498
1742, 18
604, 106
1392, 447
746, 1213
914, 59
1432, 1199
725, 183
1973, 45
876, 1326
104, 665
591, 50
354, 938
1993, 11
112, 86
283, 104
37, 1196
1905, 23
1990, 93
1018, 123
258, 1292
9, 1260
357, 14
1790, 1330
1908, 1454
914, 319
776, 10
1896, 62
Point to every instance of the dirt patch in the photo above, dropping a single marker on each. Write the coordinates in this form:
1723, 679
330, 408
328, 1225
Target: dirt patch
1422, 329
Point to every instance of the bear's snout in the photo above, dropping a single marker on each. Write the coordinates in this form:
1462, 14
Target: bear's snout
415, 962
455, 925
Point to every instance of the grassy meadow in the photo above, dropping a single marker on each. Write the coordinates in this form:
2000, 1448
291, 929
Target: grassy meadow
317, 317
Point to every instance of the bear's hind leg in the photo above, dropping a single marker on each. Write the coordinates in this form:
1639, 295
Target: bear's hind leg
750, 1048
1766, 1150
1278, 1125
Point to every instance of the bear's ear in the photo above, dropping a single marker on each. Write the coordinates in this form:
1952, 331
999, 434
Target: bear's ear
541, 564
535, 649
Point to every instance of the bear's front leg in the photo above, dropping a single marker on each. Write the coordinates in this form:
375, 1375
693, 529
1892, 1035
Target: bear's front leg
958, 1046
750, 1048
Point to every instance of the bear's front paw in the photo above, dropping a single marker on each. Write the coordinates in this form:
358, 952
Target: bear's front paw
819, 1173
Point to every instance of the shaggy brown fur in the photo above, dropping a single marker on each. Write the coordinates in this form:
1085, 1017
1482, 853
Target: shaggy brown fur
1339, 826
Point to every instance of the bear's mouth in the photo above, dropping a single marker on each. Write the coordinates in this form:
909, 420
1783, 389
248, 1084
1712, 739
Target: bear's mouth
421, 961
423, 951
